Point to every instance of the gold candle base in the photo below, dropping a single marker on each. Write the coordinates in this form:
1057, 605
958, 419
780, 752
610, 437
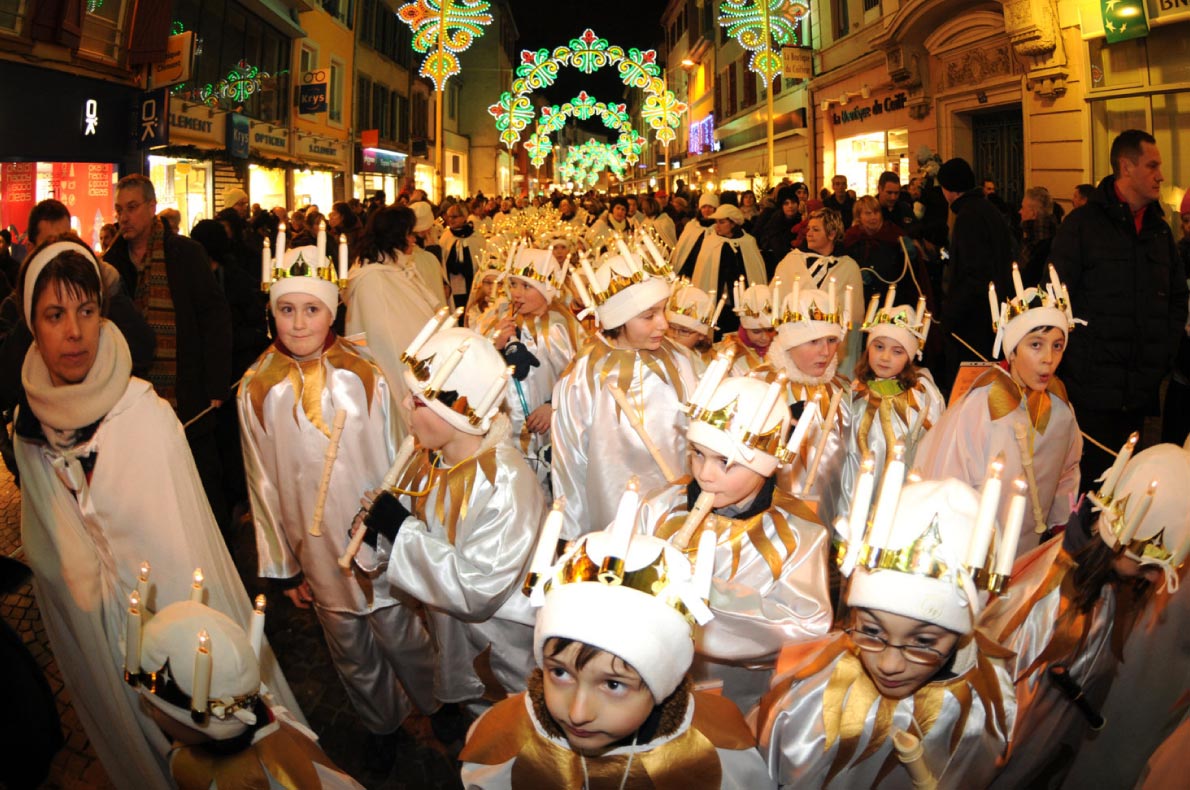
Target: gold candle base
994, 583
611, 571
531, 580
199, 717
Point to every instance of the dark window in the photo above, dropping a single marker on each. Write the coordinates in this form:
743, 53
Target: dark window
733, 88
341, 10
363, 103
749, 84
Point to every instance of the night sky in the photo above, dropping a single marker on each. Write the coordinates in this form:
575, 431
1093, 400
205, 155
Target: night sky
552, 23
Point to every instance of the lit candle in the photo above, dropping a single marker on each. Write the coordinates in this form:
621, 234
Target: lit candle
985, 521
1132, 525
547, 542
196, 588
658, 258
200, 696
589, 273
321, 242
873, 306
704, 563
774, 297
1117, 468
718, 312
132, 635
280, 256
583, 295
452, 319
890, 297
925, 329
447, 367
847, 307
1006, 551
256, 632
142, 582
266, 265
994, 303
1179, 555
709, 382
861, 500
427, 330
737, 292
343, 262
1016, 281
1054, 281
921, 309
620, 535
886, 502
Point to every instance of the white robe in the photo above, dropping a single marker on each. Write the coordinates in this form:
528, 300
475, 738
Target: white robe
432, 275
664, 225
85, 541
691, 235
818, 269
706, 266
475, 244
910, 415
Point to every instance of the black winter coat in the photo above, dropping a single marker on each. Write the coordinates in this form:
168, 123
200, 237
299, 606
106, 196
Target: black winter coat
980, 253
1131, 290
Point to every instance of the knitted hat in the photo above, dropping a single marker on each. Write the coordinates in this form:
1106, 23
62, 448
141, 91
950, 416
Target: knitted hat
693, 308
902, 324
457, 373
708, 198
727, 211
632, 595
956, 175
302, 266
424, 215
754, 306
1031, 308
233, 195
743, 419
169, 643
808, 314
538, 269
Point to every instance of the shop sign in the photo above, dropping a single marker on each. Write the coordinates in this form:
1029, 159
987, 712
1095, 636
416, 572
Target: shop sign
862, 112
175, 68
376, 160
312, 147
1166, 10
268, 138
1124, 20
194, 122
19, 180
312, 92
797, 63
152, 122
239, 129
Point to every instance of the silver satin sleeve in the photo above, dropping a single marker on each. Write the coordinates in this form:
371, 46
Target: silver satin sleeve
927, 394
793, 740
838, 470
756, 614
554, 352
596, 451
283, 462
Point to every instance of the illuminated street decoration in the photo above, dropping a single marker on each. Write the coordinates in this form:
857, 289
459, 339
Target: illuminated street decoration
702, 137
441, 30
583, 107
584, 163
762, 27
242, 81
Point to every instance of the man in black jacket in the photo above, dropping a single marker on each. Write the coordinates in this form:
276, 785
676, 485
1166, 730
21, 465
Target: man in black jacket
980, 252
169, 278
1116, 255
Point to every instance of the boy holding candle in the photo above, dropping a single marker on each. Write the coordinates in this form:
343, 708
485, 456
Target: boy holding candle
609, 704
910, 663
1021, 413
317, 429
456, 528
1075, 601
770, 551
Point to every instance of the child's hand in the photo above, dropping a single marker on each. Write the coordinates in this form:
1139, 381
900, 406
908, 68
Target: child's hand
505, 329
301, 596
539, 420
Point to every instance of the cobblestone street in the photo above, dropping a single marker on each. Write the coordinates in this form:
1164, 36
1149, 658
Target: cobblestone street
421, 761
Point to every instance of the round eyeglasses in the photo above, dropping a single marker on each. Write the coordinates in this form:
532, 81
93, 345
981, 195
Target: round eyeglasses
915, 654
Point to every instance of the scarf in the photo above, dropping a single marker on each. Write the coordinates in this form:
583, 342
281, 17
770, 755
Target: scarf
65, 410
156, 304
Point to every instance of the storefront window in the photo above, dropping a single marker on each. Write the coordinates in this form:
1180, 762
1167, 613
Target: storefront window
266, 186
423, 178
864, 157
185, 185
85, 188
314, 187
1108, 118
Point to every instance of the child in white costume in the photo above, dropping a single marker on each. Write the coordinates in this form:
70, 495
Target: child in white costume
1022, 414
309, 401
107, 483
610, 704
810, 326
692, 315
892, 399
911, 662
457, 527
1073, 603
237, 736
752, 342
770, 585
597, 443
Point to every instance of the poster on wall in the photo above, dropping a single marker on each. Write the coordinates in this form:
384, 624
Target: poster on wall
86, 189
18, 182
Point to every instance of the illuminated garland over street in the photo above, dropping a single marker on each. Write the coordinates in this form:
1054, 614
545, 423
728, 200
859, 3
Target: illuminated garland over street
585, 162
441, 30
763, 31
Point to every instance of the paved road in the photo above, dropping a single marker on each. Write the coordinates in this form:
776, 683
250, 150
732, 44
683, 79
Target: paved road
422, 762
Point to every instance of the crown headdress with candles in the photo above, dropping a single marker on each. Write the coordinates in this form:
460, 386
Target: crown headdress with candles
968, 557
744, 419
633, 595
801, 305
1142, 507
309, 261
694, 308
466, 395
753, 304
908, 326
1028, 309
540, 267
611, 291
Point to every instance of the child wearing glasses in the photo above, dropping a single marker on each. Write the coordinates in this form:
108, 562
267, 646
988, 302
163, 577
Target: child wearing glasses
845, 711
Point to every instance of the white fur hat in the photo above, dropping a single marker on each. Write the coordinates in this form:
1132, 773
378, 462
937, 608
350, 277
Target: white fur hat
303, 264
538, 269
932, 525
460, 375
728, 211
424, 214
729, 422
808, 318
171, 637
692, 308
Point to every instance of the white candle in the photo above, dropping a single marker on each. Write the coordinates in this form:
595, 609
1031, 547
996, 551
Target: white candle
452, 319
589, 273
547, 542
847, 307
1179, 555
830, 295
890, 297
1016, 281
620, 534
803, 425
704, 564
256, 632
1006, 551
266, 265
994, 303
718, 311
495, 391
443, 371
921, 309
1117, 468
142, 582
985, 521
658, 259
775, 297
925, 329
861, 500
886, 502
705, 386
1054, 281
196, 588
737, 293
427, 330
321, 242
873, 306
343, 262
577, 277
280, 256
797, 295
201, 693
766, 406
132, 635
1132, 525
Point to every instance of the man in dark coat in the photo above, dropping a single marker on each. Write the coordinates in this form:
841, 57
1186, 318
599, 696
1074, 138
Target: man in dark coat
169, 278
1117, 257
980, 252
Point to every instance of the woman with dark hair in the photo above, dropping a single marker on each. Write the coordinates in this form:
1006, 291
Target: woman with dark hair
111, 503
386, 298
774, 232
342, 221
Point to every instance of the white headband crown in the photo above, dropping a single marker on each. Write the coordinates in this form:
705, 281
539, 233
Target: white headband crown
906, 325
1029, 308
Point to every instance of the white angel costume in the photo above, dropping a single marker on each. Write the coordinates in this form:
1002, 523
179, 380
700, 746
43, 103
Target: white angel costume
685, 253
816, 271
663, 226
723, 259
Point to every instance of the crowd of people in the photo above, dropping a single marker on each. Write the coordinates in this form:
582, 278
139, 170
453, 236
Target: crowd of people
705, 490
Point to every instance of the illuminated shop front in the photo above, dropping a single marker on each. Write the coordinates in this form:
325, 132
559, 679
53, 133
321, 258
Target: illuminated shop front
266, 185
314, 184
379, 170
185, 185
863, 157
